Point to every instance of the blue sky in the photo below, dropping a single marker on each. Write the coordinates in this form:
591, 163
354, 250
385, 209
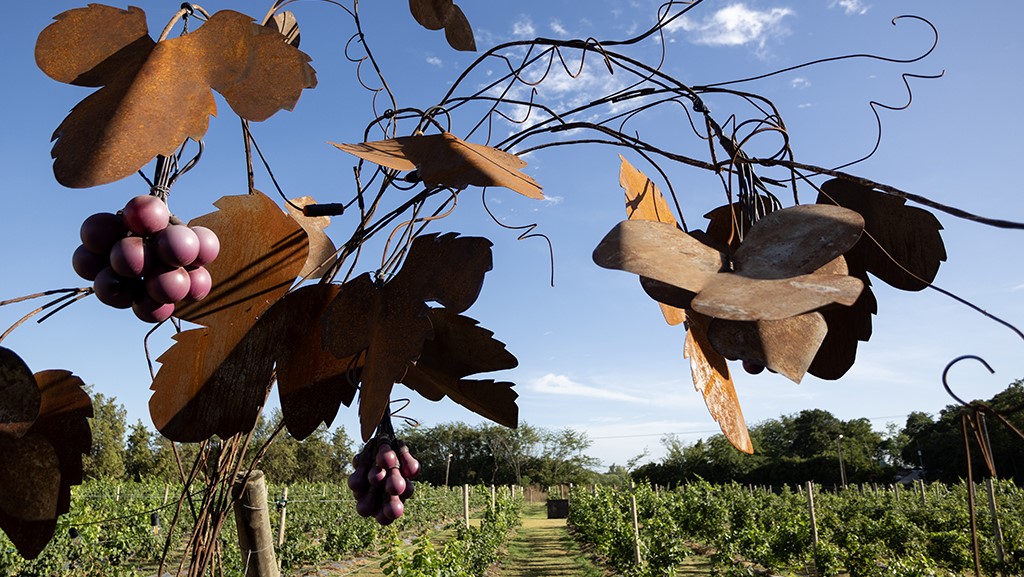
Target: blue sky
594, 352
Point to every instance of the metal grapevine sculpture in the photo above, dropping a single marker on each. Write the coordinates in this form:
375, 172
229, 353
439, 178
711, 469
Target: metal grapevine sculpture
276, 300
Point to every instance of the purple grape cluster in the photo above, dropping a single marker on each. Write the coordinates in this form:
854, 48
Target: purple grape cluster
382, 480
138, 259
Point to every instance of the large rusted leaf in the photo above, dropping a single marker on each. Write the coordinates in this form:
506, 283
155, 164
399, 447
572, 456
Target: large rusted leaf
446, 160
312, 383
40, 467
797, 240
847, 326
659, 251
772, 277
902, 245
458, 31
154, 96
388, 321
459, 348
786, 346
711, 378
736, 297
19, 395
645, 202
215, 379
321, 247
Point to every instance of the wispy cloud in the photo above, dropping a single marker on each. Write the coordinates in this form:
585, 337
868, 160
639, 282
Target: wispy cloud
734, 25
552, 384
523, 28
853, 7
434, 61
800, 83
557, 28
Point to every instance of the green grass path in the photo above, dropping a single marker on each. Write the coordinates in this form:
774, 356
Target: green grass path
542, 547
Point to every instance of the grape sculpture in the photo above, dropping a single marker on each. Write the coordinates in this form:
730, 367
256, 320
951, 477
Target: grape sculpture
382, 480
138, 259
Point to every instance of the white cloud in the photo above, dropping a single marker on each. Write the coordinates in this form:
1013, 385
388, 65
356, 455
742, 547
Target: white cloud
552, 384
800, 82
804, 105
734, 25
434, 61
523, 27
557, 28
852, 6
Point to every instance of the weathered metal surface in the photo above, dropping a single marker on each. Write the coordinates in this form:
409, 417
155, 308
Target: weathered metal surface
786, 346
286, 25
438, 14
902, 244
40, 467
459, 348
847, 326
712, 379
446, 160
154, 96
736, 297
312, 383
19, 395
797, 240
321, 247
645, 202
214, 379
389, 322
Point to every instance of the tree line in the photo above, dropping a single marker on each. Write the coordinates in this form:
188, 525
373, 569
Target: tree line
790, 450
806, 446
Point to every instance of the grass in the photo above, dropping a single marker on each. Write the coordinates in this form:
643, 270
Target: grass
543, 548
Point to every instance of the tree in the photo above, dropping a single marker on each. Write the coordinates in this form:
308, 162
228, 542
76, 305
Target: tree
108, 424
139, 457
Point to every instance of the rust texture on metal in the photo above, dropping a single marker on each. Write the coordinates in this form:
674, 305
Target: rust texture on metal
457, 348
786, 346
321, 247
446, 160
214, 379
438, 14
154, 96
388, 321
645, 202
902, 245
711, 378
19, 395
40, 466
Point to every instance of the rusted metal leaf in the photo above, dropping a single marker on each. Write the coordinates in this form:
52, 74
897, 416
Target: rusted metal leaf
736, 297
645, 202
457, 349
902, 245
312, 383
389, 321
847, 326
797, 240
19, 395
458, 32
711, 378
285, 24
154, 96
723, 225
321, 247
446, 160
431, 14
786, 346
213, 380
40, 467
659, 251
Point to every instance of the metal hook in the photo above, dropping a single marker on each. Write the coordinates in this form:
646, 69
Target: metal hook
945, 373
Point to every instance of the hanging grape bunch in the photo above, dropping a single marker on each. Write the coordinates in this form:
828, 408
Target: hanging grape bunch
382, 480
137, 258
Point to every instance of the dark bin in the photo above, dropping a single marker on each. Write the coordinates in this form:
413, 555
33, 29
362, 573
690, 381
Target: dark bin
558, 508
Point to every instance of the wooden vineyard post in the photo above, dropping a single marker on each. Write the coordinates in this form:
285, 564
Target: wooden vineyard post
921, 487
167, 492
996, 529
252, 519
636, 529
465, 504
814, 520
492, 496
284, 513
